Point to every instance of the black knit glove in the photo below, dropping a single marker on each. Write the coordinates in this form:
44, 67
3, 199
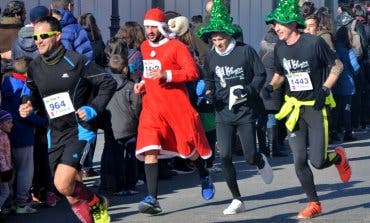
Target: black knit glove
320, 97
240, 93
266, 91
210, 98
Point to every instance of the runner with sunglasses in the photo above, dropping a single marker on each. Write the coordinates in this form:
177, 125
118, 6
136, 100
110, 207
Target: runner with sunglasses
62, 80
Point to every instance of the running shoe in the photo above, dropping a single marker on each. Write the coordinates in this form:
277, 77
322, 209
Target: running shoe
344, 169
51, 199
266, 171
235, 207
312, 210
126, 193
99, 211
24, 209
149, 205
208, 189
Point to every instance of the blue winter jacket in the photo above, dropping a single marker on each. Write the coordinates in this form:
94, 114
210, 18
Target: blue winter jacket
22, 133
74, 37
345, 84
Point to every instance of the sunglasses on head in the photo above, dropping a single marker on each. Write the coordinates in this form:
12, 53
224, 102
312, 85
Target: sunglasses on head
44, 35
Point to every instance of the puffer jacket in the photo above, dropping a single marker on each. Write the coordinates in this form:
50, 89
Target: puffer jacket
74, 37
24, 45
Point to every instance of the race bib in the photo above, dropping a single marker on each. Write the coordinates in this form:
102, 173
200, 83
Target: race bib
58, 105
299, 81
151, 65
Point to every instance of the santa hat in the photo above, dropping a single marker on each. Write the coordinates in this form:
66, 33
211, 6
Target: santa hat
156, 17
178, 25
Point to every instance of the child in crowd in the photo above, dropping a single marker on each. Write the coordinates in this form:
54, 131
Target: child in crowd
125, 107
6, 169
22, 147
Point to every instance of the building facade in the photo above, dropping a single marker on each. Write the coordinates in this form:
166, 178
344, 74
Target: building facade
249, 14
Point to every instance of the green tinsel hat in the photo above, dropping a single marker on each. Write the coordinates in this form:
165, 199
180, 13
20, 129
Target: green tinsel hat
287, 11
220, 21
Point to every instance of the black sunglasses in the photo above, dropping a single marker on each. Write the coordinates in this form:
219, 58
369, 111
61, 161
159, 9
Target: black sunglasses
44, 35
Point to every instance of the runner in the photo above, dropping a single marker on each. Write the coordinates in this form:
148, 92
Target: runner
310, 76
168, 126
63, 80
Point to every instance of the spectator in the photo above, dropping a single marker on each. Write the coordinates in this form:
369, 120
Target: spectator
6, 168
125, 107
133, 33
88, 22
24, 44
22, 148
74, 37
11, 22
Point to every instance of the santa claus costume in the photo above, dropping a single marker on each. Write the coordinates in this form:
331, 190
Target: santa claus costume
168, 124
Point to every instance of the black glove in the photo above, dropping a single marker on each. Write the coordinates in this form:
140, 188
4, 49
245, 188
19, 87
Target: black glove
320, 97
266, 91
6, 176
210, 98
240, 93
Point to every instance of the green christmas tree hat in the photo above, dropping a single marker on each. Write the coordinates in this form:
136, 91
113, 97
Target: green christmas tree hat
220, 21
287, 11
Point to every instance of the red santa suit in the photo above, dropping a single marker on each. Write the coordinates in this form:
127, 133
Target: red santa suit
168, 122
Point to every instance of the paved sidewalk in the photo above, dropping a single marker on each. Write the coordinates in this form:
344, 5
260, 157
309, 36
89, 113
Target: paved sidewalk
278, 202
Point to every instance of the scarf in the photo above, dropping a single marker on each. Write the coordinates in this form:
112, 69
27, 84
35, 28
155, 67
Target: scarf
229, 48
55, 56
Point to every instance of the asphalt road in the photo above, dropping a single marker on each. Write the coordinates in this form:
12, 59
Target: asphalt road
278, 202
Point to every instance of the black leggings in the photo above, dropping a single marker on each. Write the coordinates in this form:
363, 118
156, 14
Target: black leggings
226, 135
310, 131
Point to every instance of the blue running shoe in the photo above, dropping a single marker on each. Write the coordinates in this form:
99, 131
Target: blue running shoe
208, 190
149, 205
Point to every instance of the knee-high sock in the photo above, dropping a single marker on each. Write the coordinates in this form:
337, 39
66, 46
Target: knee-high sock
82, 211
81, 192
201, 167
151, 173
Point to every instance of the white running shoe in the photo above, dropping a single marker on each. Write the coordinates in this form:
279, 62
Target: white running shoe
266, 171
235, 207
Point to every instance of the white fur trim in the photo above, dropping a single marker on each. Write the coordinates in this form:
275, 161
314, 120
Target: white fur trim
149, 22
165, 154
169, 76
159, 43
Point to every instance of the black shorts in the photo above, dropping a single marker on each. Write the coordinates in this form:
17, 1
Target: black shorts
69, 153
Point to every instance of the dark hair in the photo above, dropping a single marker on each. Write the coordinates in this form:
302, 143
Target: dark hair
53, 22
197, 19
61, 4
359, 10
116, 45
342, 36
14, 8
308, 8
133, 33
171, 14
117, 63
325, 20
88, 22
20, 65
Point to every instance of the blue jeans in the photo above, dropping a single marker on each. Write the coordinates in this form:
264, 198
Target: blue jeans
23, 166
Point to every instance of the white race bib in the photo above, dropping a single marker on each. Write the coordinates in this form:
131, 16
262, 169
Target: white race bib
299, 81
151, 65
58, 105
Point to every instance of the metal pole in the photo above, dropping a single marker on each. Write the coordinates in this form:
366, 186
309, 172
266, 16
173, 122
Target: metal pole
114, 18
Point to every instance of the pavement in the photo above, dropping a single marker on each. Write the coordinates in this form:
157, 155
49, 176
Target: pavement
278, 202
